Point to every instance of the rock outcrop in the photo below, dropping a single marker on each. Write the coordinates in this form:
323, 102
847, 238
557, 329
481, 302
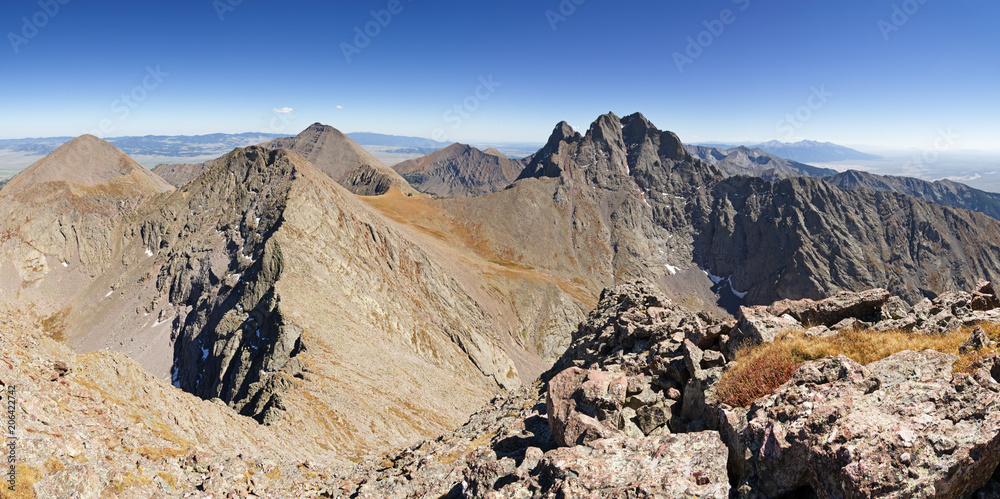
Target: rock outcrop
460, 170
904, 426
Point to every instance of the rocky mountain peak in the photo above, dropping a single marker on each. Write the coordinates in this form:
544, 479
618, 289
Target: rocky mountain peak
607, 129
460, 170
562, 133
88, 161
342, 159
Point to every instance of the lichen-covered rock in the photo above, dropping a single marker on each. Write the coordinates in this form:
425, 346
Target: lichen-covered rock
901, 427
684, 465
978, 340
580, 404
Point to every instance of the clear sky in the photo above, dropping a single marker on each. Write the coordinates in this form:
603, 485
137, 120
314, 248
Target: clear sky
846, 71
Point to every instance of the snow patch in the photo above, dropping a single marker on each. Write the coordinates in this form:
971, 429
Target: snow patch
65, 264
673, 270
715, 279
149, 252
204, 353
109, 293
737, 293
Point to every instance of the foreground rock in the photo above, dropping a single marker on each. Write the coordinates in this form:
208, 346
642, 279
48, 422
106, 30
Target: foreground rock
900, 427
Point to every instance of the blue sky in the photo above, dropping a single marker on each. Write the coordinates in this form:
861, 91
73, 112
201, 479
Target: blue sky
844, 71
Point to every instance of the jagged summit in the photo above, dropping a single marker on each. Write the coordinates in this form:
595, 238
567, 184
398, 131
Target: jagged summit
88, 161
460, 170
343, 159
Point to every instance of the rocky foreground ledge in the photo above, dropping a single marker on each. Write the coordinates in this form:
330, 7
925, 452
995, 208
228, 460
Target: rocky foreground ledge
636, 407
631, 410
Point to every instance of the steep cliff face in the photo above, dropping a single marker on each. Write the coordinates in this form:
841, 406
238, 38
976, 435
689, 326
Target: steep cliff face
805, 238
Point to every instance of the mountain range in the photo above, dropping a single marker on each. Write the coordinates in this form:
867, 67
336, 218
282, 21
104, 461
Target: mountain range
755, 162
313, 296
804, 151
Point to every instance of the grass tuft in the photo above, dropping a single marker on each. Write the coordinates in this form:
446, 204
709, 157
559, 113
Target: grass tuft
762, 369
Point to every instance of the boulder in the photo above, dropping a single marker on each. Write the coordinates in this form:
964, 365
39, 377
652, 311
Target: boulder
866, 305
579, 404
978, 340
757, 325
985, 298
894, 308
680, 465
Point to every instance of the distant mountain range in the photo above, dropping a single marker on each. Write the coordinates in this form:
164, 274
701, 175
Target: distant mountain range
379, 139
152, 145
943, 192
805, 151
755, 162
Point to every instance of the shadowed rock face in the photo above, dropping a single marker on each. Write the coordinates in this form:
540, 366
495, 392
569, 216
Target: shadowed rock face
460, 170
629, 183
803, 238
943, 192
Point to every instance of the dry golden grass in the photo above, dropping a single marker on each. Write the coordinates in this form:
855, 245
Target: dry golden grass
762, 369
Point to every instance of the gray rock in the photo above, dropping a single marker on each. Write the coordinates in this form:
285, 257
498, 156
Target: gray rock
578, 404
757, 325
676, 465
978, 340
